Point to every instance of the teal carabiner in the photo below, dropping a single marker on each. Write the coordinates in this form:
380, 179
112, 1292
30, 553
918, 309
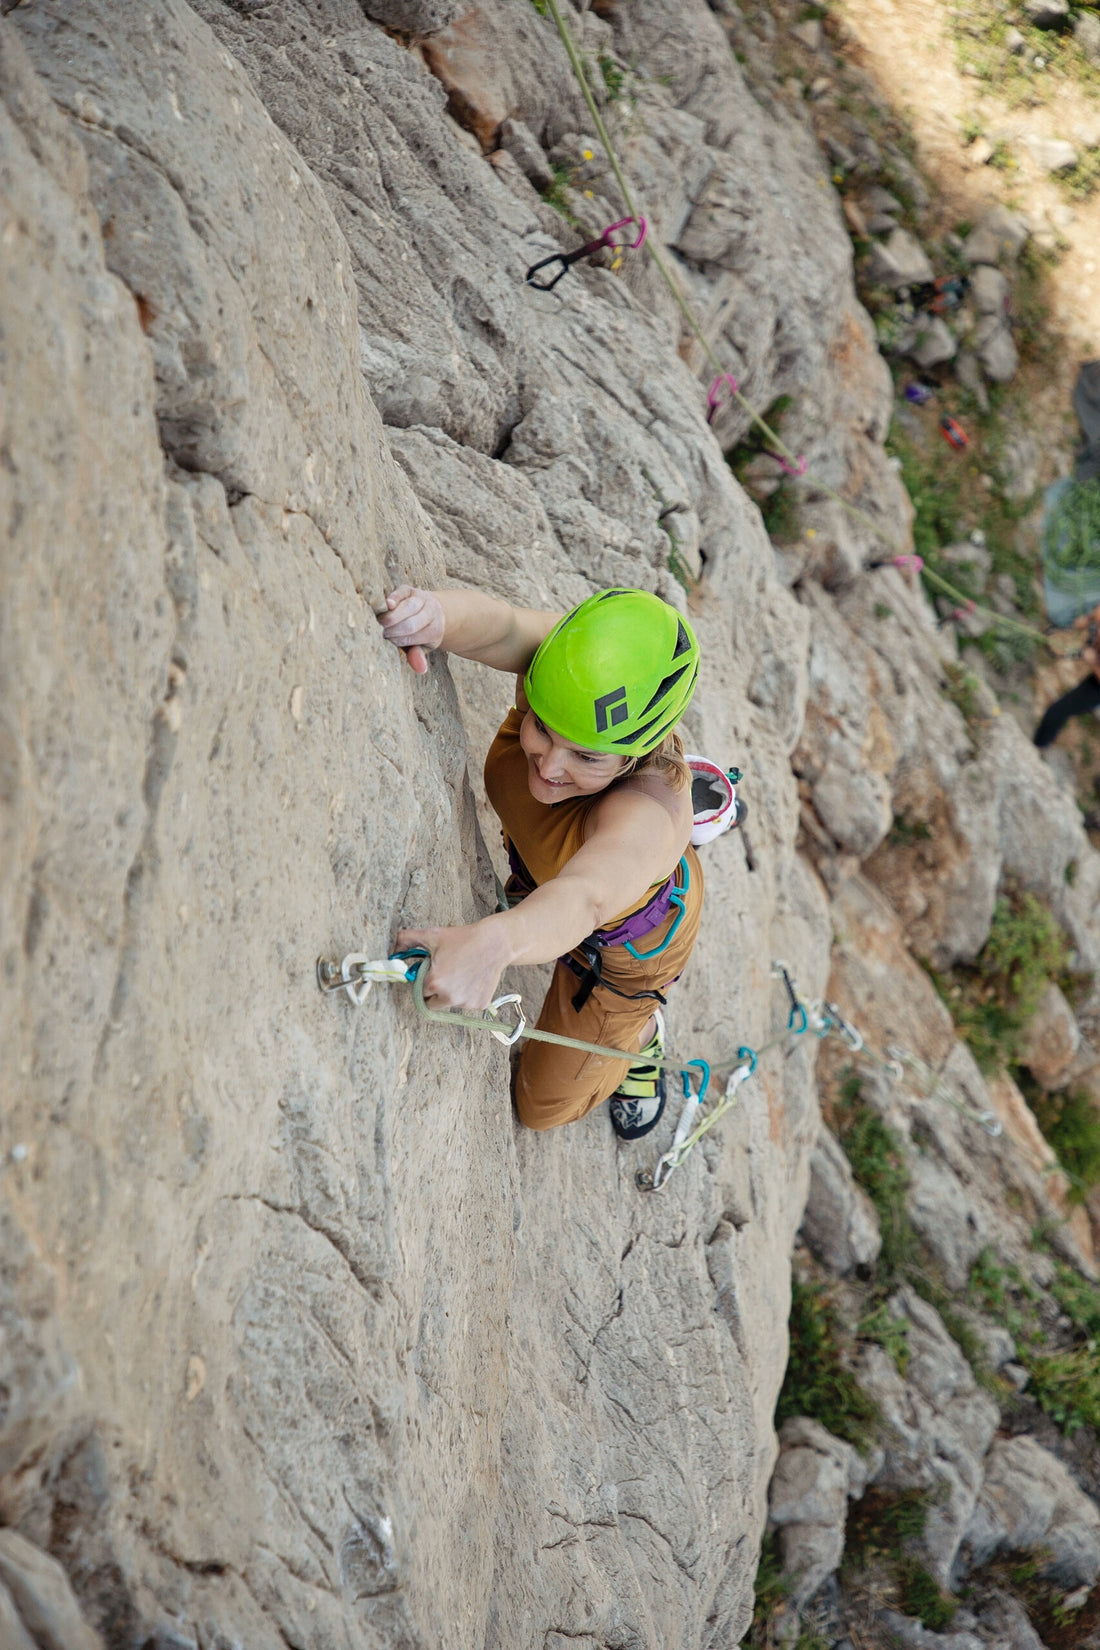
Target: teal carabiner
675, 898
749, 1055
704, 1083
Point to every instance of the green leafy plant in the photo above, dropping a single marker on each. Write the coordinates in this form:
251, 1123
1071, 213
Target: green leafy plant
1071, 1123
906, 831
1082, 180
614, 77
878, 1164
1067, 1386
992, 1000
922, 1596
890, 1332
818, 1383
557, 194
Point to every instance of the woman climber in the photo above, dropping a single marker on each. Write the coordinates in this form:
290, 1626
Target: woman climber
592, 789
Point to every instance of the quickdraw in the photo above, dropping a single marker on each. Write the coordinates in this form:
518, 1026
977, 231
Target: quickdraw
356, 973
588, 250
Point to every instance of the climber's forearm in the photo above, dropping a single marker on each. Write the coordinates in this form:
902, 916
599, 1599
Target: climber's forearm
492, 631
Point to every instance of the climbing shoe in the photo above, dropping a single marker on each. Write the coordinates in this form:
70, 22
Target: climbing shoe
639, 1100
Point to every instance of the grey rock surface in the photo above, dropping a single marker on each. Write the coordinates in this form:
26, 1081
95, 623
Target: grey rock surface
934, 344
938, 1426
1051, 1040
1030, 1502
303, 1340
840, 1224
899, 261
37, 1590
1086, 32
1051, 154
910, 1634
1046, 14
808, 1502
1001, 234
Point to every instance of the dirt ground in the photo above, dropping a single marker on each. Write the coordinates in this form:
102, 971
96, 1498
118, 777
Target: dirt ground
910, 49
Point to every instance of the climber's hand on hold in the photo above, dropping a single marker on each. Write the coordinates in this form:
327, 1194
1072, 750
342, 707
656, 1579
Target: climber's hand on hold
413, 620
466, 963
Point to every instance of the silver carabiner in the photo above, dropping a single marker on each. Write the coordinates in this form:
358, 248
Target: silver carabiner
513, 1036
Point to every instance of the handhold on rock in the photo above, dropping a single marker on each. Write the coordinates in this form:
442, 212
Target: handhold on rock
899, 262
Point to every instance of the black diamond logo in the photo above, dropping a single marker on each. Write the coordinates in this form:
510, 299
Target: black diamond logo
611, 709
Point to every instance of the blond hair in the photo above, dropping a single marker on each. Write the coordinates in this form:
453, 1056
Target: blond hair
666, 759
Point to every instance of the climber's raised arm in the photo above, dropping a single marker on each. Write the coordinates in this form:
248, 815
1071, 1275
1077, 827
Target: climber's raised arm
466, 622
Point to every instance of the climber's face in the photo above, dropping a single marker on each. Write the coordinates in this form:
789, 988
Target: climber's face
557, 769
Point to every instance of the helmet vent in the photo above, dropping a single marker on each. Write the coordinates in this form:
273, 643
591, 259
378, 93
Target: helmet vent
683, 640
666, 687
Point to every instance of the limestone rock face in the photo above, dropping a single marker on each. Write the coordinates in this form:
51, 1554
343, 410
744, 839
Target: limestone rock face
306, 1339
1029, 1501
808, 1502
840, 1224
939, 1425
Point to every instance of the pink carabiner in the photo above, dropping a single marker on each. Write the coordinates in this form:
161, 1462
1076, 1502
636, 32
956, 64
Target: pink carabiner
714, 395
964, 612
798, 468
906, 562
629, 246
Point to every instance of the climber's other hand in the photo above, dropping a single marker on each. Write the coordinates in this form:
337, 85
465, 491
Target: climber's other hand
413, 620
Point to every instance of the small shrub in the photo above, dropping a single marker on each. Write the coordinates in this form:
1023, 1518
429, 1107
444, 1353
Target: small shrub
614, 77
922, 1596
1066, 1385
890, 1332
1082, 180
1071, 1123
1078, 1298
557, 195
817, 1382
964, 691
906, 831
880, 1522
992, 1001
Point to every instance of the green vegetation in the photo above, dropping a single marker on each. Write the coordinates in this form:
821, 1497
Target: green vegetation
614, 77
951, 499
878, 1164
1031, 75
1067, 1386
992, 1000
557, 195
818, 1383
1071, 1123
922, 1595
1064, 1382
1082, 180
964, 690
906, 832
878, 1528
891, 1333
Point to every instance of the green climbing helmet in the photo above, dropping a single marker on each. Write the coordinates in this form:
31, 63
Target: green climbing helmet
616, 674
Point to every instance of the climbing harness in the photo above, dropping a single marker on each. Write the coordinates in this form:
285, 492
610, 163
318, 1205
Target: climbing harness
567, 259
775, 445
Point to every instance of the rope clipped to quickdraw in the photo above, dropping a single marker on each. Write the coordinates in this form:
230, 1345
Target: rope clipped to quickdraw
792, 463
356, 973
588, 250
